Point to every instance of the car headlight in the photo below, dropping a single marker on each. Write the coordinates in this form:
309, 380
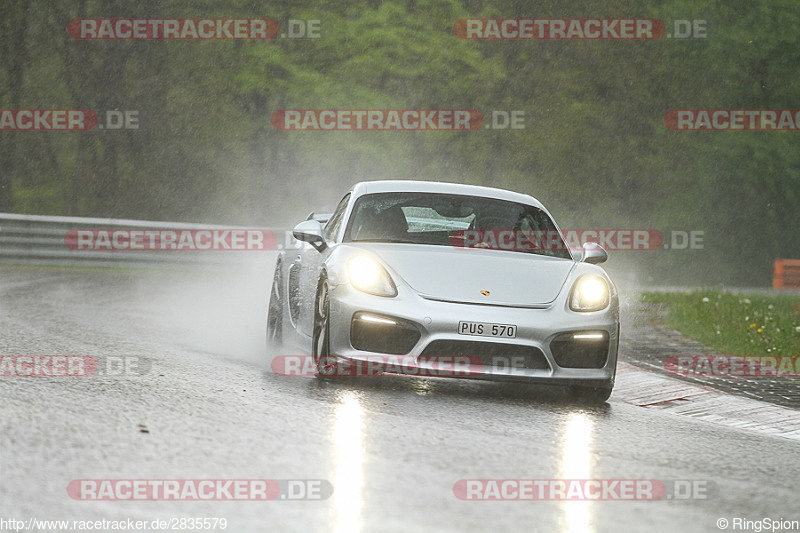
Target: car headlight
590, 293
367, 275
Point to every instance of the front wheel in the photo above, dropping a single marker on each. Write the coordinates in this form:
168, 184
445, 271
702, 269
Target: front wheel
324, 362
275, 311
591, 395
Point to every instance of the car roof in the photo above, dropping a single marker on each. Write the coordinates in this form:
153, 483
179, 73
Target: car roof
371, 187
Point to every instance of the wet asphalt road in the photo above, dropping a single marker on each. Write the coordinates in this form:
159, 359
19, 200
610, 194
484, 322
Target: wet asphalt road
208, 406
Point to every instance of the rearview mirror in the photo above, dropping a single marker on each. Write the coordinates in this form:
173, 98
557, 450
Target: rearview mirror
593, 253
310, 231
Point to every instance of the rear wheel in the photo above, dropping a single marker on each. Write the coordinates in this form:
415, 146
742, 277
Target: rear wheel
324, 362
275, 311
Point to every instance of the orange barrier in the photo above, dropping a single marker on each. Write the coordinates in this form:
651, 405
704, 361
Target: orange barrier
787, 274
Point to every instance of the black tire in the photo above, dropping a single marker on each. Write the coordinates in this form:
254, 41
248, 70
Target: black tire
324, 362
275, 311
592, 395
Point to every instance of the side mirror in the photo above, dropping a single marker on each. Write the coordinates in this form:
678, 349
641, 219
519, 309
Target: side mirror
322, 218
593, 253
310, 231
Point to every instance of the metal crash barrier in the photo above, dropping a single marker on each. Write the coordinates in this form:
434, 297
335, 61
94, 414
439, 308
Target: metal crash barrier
35, 239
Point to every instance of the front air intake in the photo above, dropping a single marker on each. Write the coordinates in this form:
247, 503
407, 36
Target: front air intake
490, 354
580, 349
382, 334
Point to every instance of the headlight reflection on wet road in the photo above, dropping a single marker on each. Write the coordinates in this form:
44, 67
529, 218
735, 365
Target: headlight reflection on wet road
348, 467
576, 464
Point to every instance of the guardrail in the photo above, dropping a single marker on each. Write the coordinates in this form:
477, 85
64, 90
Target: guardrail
42, 240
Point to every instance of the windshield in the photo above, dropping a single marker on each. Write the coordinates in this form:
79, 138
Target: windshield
454, 220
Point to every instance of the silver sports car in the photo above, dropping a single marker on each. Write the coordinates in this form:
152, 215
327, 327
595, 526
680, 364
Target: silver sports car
412, 272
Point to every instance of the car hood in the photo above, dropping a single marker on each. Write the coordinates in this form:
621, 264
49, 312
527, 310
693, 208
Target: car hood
460, 275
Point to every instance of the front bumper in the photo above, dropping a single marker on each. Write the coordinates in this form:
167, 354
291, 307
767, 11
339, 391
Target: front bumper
438, 321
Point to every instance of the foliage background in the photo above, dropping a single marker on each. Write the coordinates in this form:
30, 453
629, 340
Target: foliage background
595, 149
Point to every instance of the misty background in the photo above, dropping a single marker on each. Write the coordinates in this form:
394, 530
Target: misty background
594, 149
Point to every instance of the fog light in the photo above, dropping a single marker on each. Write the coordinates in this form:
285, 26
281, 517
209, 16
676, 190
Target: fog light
589, 336
376, 319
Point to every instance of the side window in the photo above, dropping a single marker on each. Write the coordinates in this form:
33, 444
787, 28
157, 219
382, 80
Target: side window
333, 225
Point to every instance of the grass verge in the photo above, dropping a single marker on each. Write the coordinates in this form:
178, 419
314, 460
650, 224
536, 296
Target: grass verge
735, 324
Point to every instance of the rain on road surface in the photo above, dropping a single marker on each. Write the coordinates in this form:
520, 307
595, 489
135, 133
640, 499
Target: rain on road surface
208, 406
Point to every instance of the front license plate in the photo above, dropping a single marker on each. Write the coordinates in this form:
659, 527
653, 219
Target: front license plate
487, 329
